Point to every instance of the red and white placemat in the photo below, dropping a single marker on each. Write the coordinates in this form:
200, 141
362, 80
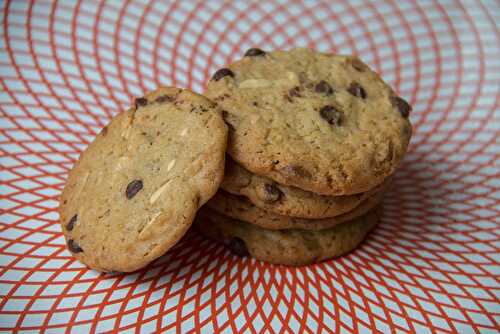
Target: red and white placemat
432, 265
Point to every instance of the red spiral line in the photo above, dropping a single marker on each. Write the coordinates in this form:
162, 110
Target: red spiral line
419, 264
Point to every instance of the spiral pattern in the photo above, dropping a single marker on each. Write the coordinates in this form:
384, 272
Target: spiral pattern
432, 265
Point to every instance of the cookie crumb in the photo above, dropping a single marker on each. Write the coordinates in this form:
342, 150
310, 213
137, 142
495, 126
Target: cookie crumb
74, 247
71, 223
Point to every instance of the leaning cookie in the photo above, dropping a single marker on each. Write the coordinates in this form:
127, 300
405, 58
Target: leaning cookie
319, 122
289, 201
135, 190
238, 207
288, 247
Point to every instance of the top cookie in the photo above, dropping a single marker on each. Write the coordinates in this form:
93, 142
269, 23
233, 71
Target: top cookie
136, 189
320, 122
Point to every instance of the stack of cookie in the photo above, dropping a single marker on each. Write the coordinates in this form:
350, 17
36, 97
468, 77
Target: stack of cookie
313, 141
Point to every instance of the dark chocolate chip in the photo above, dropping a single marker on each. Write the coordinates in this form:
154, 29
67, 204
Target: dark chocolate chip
273, 193
294, 92
237, 246
71, 223
356, 90
403, 107
74, 247
140, 102
223, 72
331, 115
323, 87
254, 52
133, 188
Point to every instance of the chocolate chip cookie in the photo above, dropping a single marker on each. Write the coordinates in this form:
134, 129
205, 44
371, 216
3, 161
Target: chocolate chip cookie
289, 247
240, 208
135, 190
279, 199
320, 122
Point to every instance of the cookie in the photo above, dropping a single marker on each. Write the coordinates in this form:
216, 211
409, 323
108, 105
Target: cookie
135, 190
238, 207
288, 201
289, 247
320, 122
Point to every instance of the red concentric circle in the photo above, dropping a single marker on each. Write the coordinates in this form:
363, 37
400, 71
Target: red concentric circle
432, 265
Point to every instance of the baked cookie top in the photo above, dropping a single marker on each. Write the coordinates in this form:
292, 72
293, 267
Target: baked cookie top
320, 122
136, 188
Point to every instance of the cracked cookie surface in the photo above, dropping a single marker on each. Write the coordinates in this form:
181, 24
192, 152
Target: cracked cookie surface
136, 188
320, 122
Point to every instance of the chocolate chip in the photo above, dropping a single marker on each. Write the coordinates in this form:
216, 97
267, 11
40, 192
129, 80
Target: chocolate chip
133, 188
403, 107
223, 72
323, 87
74, 247
140, 102
331, 115
356, 90
273, 193
294, 92
254, 52
237, 246
71, 223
